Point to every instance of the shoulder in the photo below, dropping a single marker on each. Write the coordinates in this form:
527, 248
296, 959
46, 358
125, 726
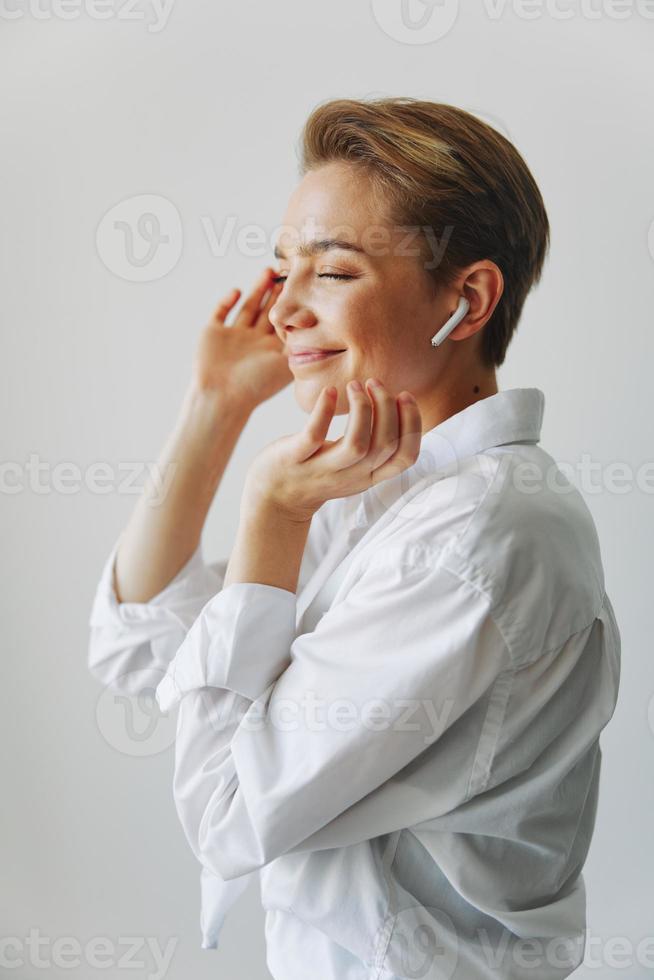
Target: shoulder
510, 524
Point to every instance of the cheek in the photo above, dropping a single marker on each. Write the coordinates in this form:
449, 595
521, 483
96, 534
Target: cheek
377, 323
365, 321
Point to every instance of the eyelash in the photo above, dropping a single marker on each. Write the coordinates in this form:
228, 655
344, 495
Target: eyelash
321, 275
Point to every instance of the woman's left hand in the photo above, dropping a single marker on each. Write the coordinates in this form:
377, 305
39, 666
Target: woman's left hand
296, 474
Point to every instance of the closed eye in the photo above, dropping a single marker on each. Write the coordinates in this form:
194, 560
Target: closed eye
321, 275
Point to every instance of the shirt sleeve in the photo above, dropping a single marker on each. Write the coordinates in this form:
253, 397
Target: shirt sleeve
131, 644
327, 722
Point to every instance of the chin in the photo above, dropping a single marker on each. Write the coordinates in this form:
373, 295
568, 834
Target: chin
307, 394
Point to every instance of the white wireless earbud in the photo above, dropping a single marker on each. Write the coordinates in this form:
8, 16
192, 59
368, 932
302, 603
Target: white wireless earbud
453, 322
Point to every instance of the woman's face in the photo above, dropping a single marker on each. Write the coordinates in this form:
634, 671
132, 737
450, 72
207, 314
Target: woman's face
373, 302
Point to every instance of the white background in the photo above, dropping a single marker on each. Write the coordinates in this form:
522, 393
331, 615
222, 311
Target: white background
205, 111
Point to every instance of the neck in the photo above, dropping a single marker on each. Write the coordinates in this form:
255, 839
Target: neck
449, 399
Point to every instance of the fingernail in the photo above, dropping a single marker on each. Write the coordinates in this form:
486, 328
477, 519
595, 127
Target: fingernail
374, 383
406, 398
356, 386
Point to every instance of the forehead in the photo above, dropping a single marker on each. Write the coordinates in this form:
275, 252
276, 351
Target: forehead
335, 201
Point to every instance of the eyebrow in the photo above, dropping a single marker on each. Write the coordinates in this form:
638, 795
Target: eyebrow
319, 245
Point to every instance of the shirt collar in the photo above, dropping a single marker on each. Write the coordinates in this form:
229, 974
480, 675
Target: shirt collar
512, 415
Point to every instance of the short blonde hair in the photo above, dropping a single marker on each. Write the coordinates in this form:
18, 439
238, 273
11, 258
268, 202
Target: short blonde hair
441, 167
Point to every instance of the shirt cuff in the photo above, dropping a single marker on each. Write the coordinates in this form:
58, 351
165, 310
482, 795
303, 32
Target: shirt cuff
240, 642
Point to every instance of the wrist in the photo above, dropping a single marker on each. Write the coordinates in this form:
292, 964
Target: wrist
258, 501
257, 508
209, 414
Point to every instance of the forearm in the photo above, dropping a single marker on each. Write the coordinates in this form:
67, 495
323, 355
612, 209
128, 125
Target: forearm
166, 524
268, 548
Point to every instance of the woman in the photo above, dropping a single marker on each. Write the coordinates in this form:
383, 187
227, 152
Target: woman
390, 696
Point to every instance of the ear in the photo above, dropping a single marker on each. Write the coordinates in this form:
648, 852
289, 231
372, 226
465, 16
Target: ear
482, 284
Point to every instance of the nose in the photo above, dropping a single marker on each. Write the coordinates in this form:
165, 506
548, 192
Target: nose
288, 313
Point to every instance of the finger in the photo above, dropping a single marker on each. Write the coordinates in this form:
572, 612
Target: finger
249, 311
313, 436
262, 321
355, 442
225, 305
410, 439
386, 424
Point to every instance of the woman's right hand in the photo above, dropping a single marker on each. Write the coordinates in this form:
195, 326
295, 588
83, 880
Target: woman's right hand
243, 362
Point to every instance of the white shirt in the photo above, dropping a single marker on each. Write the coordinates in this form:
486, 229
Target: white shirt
406, 751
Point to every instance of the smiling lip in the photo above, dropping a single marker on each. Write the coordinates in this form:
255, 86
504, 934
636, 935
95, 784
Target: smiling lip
306, 357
